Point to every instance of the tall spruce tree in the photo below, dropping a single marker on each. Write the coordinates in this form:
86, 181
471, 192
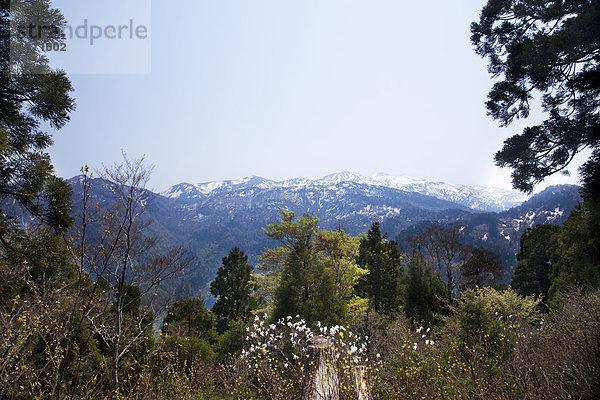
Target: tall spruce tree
382, 285
233, 288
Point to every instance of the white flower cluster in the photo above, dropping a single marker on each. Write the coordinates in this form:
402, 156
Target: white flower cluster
287, 338
284, 334
346, 342
424, 332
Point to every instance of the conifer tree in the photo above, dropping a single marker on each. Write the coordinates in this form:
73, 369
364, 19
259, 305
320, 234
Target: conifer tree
425, 295
32, 95
549, 49
382, 259
233, 288
538, 253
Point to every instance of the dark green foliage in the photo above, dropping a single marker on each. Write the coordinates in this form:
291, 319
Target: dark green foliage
425, 297
233, 288
382, 285
31, 96
58, 195
482, 269
579, 258
553, 258
232, 341
550, 48
189, 318
590, 175
306, 287
539, 252
43, 257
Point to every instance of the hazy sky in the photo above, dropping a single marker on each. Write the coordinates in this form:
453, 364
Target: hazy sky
284, 89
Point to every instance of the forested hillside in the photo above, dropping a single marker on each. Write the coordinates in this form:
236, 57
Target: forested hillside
211, 225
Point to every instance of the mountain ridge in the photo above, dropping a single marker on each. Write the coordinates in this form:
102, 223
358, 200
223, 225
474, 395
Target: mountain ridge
474, 197
233, 214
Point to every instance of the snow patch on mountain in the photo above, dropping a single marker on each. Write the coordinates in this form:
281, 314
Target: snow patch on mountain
478, 198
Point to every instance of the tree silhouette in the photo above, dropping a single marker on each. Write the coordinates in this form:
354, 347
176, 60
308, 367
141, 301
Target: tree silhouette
551, 49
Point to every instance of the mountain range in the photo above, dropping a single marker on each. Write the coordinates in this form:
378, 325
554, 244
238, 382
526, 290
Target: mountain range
478, 198
210, 218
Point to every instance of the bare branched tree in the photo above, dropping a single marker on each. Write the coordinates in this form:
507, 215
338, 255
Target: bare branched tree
124, 261
444, 249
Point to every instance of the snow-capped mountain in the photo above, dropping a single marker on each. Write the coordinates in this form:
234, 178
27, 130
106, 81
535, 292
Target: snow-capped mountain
209, 219
477, 198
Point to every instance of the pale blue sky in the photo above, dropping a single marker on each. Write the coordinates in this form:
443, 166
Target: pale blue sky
283, 89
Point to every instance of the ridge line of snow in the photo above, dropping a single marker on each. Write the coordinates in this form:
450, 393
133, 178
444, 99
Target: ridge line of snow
474, 196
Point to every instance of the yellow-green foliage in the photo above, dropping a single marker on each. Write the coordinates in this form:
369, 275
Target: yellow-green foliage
274, 363
319, 263
170, 373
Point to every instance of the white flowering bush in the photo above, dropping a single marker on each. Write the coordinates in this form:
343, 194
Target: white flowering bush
274, 362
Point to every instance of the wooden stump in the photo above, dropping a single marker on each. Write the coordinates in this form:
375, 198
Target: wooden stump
360, 383
321, 381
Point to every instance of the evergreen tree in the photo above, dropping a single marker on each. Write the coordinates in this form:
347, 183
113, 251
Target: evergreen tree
382, 285
482, 269
189, 318
425, 296
579, 253
306, 286
539, 251
32, 95
232, 287
548, 47
307, 289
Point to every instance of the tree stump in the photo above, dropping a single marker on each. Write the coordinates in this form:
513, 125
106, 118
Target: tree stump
361, 383
321, 380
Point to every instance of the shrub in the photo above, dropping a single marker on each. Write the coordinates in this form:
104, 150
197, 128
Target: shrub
274, 363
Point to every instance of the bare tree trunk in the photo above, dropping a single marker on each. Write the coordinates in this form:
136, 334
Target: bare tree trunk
114, 367
114, 375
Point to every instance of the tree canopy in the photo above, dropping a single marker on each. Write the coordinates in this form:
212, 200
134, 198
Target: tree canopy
538, 253
232, 287
551, 49
32, 97
382, 284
